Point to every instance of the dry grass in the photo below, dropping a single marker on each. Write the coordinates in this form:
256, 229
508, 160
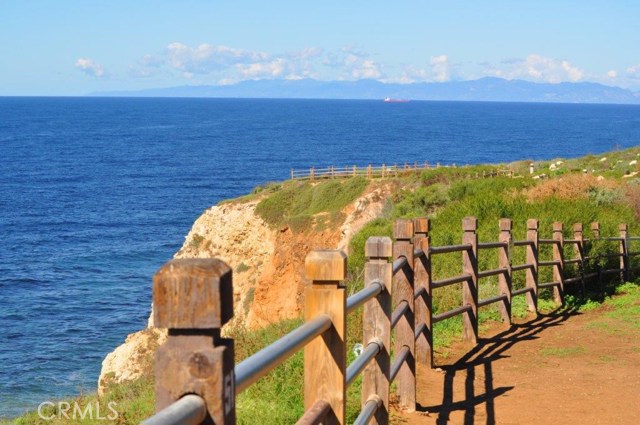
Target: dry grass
570, 186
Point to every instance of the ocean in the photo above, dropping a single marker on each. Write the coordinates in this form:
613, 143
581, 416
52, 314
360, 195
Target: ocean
97, 193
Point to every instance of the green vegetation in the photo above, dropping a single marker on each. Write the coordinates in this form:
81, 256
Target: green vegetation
562, 352
300, 205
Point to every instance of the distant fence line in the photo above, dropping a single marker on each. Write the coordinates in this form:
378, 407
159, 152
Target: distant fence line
381, 171
197, 379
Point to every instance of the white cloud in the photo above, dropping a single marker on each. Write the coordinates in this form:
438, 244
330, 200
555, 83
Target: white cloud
440, 68
634, 72
207, 58
537, 68
89, 67
612, 74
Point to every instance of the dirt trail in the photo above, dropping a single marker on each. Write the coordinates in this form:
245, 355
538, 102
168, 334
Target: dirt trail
560, 368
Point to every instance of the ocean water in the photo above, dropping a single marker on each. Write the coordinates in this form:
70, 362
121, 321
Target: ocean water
97, 193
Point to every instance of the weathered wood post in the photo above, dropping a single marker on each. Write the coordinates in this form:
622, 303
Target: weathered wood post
193, 299
292, 174
624, 252
403, 292
470, 286
531, 279
332, 171
504, 262
369, 173
579, 252
558, 258
312, 173
325, 358
422, 284
595, 230
384, 168
377, 324
355, 171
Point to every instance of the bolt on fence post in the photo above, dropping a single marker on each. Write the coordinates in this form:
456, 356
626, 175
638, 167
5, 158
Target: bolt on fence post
558, 257
325, 357
624, 252
504, 262
470, 286
193, 298
405, 333
579, 251
422, 283
377, 324
532, 259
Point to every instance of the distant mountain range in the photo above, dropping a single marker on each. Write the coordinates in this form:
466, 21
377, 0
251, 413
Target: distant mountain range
484, 89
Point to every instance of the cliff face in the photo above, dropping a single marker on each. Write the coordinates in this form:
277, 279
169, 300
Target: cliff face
267, 263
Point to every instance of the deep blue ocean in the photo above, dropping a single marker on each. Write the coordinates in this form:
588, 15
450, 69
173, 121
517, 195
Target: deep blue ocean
97, 193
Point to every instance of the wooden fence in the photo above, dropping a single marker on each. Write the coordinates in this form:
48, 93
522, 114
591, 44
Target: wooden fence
197, 379
382, 171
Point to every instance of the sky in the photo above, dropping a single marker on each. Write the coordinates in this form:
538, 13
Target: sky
62, 48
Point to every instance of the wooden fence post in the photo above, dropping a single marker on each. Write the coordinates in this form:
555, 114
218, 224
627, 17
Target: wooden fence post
377, 324
558, 257
595, 229
532, 259
193, 298
369, 173
325, 358
292, 177
579, 251
384, 168
312, 173
403, 292
422, 283
470, 286
504, 261
624, 252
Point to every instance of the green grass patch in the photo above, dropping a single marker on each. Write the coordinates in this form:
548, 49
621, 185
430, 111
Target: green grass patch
562, 352
295, 203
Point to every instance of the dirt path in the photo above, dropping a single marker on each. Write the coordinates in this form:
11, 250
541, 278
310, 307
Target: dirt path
560, 368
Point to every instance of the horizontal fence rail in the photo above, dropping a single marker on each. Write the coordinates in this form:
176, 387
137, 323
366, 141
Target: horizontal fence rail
197, 379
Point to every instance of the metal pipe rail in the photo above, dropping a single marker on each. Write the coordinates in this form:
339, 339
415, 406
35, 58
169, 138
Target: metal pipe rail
489, 245
417, 253
370, 408
633, 254
613, 239
364, 295
369, 353
548, 241
522, 243
590, 275
548, 284
450, 280
573, 261
634, 238
398, 264
492, 272
611, 271
258, 365
401, 356
188, 410
548, 263
447, 314
419, 329
521, 291
492, 300
449, 248
573, 279
521, 267
418, 293
401, 308
616, 255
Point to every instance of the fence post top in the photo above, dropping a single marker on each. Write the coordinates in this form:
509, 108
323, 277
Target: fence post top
469, 224
326, 265
577, 227
403, 229
532, 224
421, 225
505, 224
378, 247
623, 226
557, 226
193, 294
595, 226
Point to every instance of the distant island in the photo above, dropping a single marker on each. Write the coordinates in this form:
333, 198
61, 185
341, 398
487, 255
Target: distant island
485, 89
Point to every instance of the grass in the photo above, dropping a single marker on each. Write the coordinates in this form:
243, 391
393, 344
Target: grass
562, 352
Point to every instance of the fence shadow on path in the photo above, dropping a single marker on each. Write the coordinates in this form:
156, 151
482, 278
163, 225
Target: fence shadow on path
482, 356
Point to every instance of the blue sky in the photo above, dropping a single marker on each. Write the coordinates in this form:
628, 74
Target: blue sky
72, 48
